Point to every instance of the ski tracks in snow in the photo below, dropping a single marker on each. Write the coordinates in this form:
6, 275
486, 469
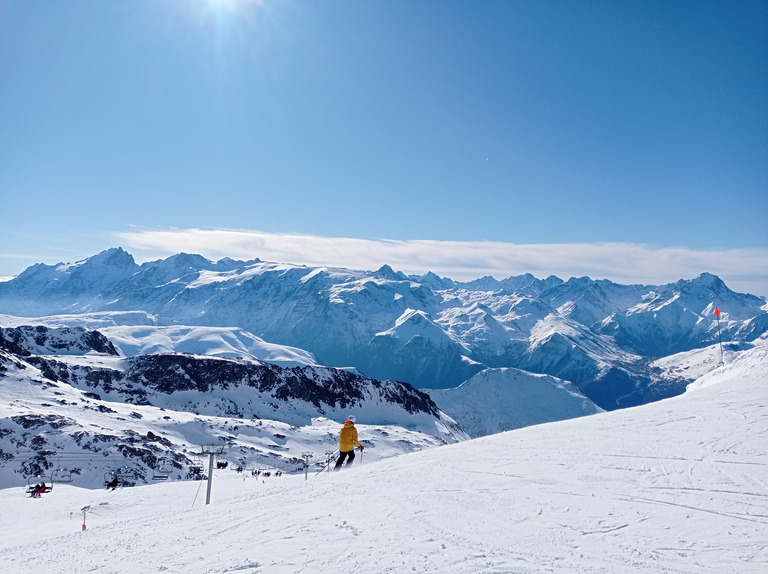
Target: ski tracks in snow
677, 487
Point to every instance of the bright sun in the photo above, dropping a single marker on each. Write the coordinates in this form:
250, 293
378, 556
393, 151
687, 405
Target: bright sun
207, 10
233, 4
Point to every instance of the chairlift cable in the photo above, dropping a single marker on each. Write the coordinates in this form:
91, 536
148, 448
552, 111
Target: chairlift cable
198, 492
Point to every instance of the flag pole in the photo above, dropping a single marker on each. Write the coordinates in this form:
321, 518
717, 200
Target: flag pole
720, 340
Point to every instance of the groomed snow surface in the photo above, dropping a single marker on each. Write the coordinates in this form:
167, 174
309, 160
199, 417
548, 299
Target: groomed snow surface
678, 486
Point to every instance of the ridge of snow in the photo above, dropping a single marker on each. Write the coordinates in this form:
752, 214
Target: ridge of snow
135, 333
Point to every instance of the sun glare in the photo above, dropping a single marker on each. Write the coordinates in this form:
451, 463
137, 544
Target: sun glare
236, 13
233, 4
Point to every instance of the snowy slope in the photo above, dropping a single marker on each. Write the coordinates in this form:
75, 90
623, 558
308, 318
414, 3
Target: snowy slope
139, 333
690, 365
498, 400
739, 366
674, 487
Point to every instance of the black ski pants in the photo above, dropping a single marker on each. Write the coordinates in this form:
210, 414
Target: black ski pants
349, 455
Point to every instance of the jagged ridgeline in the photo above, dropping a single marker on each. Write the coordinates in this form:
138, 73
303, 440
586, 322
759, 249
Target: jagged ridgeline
432, 332
72, 408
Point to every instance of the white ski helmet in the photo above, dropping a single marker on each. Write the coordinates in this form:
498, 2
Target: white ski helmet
351, 418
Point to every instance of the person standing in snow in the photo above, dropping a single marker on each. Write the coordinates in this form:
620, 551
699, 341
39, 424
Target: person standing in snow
347, 442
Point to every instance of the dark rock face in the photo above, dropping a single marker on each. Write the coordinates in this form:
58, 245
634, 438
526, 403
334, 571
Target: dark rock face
99, 343
8, 343
169, 373
37, 339
322, 387
32, 421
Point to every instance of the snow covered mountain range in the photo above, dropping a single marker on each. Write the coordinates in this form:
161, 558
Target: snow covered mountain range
429, 331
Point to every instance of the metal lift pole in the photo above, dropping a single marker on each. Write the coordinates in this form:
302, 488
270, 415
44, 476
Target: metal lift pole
211, 450
210, 478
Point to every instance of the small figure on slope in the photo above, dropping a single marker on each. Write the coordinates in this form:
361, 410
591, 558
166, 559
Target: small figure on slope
113, 483
347, 442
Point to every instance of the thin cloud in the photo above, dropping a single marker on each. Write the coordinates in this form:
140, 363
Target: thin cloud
744, 270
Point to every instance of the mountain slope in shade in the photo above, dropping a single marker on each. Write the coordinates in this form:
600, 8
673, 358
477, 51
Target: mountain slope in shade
418, 349
498, 400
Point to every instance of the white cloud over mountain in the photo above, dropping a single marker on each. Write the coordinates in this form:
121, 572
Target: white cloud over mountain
744, 269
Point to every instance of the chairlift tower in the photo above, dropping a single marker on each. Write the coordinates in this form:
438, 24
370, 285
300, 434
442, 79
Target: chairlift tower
211, 450
307, 456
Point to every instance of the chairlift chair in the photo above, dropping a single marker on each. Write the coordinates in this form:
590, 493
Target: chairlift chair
111, 475
163, 470
33, 481
62, 475
196, 473
126, 473
196, 467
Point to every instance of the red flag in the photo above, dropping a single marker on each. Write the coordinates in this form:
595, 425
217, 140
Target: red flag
717, 312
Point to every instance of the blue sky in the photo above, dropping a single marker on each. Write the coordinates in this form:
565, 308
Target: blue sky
626, 140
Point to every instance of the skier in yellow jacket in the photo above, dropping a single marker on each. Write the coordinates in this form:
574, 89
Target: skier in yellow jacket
347, 442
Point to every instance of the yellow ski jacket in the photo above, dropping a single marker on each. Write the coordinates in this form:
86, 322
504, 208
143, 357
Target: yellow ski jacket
348, 437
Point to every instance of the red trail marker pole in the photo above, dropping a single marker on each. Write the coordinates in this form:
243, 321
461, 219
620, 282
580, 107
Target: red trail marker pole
720, 340
85, 509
